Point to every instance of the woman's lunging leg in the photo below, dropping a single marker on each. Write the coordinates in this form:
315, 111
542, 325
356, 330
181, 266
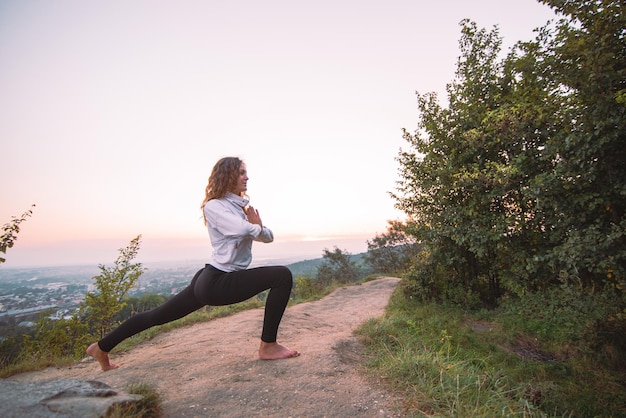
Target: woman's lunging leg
177, 307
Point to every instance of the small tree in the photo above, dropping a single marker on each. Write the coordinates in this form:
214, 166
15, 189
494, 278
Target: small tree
337, 267
112, 286
392, 251
10, 231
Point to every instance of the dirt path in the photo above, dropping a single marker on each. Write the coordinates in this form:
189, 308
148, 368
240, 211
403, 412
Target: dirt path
211, 369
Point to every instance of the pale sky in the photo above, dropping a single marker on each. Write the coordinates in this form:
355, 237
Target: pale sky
112, 114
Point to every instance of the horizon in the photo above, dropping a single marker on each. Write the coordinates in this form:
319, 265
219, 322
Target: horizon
105, 252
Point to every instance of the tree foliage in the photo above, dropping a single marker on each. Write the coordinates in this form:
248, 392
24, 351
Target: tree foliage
519, 184
392, 251
337, 267
112, 286
10, 231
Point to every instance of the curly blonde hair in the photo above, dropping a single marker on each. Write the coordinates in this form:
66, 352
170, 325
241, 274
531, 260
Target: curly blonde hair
222, 180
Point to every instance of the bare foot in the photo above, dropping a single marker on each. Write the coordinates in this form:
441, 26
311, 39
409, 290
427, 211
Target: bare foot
102, 356
275, 351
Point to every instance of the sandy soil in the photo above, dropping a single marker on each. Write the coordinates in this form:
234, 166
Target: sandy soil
211, 369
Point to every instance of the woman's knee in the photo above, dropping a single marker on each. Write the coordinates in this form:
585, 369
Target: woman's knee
284, 275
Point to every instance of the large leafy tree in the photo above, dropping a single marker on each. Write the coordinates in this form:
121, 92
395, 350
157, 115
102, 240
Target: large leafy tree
585, 194
520, 181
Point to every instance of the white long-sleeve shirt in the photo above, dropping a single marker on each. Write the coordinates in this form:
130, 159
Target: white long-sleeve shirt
231, 234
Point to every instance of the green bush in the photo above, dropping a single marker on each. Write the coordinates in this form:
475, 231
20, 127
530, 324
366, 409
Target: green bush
63, 338
305, 288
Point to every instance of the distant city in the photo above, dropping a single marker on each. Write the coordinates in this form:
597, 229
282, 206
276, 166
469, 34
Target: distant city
27, 292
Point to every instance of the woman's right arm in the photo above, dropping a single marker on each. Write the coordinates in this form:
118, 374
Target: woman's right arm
230, 224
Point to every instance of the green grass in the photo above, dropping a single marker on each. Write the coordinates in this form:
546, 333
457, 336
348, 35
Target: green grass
149, 406
446, 362
30, 364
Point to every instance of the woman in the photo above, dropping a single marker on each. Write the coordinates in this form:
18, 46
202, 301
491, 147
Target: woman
232, 226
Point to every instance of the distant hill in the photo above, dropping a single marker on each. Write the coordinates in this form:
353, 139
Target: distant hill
308, 268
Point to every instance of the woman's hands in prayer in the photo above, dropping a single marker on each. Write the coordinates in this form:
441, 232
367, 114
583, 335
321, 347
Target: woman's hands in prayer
253, 216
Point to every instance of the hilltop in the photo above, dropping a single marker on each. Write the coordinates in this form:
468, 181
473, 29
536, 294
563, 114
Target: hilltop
211, 368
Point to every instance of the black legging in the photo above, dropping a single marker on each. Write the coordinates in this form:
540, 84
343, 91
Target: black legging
211, 286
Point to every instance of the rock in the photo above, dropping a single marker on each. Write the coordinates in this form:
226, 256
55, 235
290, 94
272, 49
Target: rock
61, 398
